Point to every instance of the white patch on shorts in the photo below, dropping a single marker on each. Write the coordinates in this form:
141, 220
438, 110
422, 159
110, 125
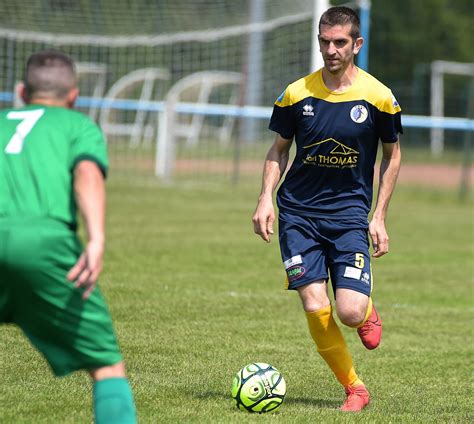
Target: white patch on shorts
295, 260
352, 272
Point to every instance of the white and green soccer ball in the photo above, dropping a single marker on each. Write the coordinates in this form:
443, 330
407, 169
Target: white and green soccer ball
258, 387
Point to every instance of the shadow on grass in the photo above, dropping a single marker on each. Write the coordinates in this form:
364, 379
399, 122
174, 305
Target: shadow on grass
210, 394
318, 403
296, 401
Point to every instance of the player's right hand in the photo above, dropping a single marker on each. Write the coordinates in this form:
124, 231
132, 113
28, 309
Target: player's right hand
87, 268
263, 219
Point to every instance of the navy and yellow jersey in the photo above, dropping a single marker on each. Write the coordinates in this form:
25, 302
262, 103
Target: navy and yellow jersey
336, 137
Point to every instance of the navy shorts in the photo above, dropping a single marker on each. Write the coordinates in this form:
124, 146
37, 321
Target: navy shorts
315, 249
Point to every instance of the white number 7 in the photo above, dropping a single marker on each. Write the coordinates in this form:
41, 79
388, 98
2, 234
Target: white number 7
29, 119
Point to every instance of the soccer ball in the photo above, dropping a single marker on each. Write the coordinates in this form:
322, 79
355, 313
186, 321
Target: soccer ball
258, 387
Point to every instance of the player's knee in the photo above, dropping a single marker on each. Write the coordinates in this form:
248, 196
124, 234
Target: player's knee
110, 371
351, 316
315, 305
313, 302
314, 296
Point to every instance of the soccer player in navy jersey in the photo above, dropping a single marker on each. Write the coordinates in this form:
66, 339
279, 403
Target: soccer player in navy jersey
336, 116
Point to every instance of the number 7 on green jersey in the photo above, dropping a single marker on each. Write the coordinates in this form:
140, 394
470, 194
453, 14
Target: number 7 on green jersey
28, 120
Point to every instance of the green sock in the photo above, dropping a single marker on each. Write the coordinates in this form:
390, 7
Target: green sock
113, 402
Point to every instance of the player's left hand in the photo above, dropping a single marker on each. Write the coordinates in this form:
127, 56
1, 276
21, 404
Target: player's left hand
87, 268
379, 237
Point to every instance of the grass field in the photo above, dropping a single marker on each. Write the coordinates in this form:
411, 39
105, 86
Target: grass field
196, 295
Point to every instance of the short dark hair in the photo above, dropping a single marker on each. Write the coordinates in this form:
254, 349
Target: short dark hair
341, 15
49, 73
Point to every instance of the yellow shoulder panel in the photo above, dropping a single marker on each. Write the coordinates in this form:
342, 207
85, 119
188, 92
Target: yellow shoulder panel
366, 87
298, 90
377, 93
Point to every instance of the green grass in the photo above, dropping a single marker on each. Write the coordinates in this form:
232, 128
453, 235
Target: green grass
195, 295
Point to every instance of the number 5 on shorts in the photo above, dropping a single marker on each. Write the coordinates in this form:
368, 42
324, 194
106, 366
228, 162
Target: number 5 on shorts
359, 261
29, 119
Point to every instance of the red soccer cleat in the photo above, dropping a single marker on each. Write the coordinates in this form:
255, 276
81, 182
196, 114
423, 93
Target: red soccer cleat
371, 332
357, 399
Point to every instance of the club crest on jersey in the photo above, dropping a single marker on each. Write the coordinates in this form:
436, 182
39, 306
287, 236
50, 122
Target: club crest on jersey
359, 114
308, 110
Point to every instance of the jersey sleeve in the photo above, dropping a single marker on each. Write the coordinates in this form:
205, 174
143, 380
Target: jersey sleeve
282, 120
389, 120
90, 144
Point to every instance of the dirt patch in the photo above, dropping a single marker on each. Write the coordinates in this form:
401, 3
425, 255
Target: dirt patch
435, 175
429, 175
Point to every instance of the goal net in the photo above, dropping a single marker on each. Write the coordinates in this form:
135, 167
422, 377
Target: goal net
136, 58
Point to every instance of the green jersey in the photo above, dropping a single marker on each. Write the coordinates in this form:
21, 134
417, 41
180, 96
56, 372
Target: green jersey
39, 148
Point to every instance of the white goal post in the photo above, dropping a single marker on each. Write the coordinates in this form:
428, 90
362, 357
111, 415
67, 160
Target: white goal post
440, 68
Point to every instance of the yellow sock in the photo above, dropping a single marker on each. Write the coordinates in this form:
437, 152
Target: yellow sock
331, 346
367, 314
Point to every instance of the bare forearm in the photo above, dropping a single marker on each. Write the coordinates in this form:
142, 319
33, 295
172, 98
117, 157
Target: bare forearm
274, 168
275, 165
89, 188
389, 169
388, 177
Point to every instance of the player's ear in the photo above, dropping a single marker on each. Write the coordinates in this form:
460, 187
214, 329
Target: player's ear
22, 92
72, 96
358, 44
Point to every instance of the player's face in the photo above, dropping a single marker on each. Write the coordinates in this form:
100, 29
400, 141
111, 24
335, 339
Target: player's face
337, 47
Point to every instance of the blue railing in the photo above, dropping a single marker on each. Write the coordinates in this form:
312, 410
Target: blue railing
256, 112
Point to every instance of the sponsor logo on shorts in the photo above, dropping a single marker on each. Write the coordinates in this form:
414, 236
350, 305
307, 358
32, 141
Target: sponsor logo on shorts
365, 278
295, 260
295, 272
351, 272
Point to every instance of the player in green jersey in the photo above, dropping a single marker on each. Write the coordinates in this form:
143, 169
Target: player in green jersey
53, 162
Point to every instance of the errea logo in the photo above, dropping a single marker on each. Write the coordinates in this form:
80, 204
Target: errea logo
308, 110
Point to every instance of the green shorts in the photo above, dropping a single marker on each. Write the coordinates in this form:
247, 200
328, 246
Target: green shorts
72, 334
